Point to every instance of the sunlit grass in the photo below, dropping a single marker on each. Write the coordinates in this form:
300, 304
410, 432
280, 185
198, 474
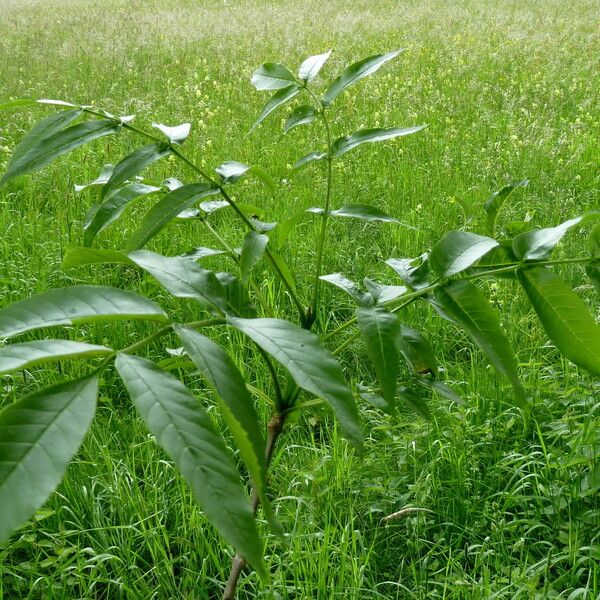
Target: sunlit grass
508, 91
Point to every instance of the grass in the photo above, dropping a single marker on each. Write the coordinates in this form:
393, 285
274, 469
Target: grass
508, 91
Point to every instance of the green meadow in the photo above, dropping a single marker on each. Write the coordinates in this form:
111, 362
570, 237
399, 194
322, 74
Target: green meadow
488, 506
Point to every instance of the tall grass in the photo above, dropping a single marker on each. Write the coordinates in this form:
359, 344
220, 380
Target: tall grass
508, 91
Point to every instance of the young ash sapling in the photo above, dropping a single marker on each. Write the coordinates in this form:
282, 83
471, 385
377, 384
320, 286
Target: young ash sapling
41, 433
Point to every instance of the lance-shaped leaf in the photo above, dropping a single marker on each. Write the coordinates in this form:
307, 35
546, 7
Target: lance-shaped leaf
167, 209
309, 158
413, 271
182, 427
235, 404
210, 206
77, 304
102, 215
380, 330
133, 164
439, 387
564, 316
351, 288
183, 277
356, 72
495, 202
311, 366
279, 98
76, 256
272, 76
44, 129
539, 243
467, 307
22, 356
39, 436
301, 115
364, 212
253, 249
349, 142
59, 143
417, 351
232, 170
51, 102
104, 176
458, 250
176, 134
310, 68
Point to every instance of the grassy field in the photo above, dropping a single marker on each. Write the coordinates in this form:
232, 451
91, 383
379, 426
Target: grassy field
509, 91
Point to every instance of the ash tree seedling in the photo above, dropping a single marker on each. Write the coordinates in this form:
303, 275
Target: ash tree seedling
41, 433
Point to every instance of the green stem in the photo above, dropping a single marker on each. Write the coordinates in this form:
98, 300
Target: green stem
323, 233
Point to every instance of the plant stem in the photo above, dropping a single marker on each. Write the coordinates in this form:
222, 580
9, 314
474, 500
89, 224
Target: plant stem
323, 233
238, 563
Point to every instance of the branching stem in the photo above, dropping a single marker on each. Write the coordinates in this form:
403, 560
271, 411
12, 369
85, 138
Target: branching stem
238, 563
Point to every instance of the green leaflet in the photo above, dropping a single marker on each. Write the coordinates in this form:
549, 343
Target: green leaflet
356, 72
380, 330
22, 356
235, 404
111, 209
45, 150
564, 316
40, 435
272, 76
166, 209
44, 129
458, 250
253, 249
279, 98
309, 69
133, 164
465, 305
347, 143
77, 304
184, 429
